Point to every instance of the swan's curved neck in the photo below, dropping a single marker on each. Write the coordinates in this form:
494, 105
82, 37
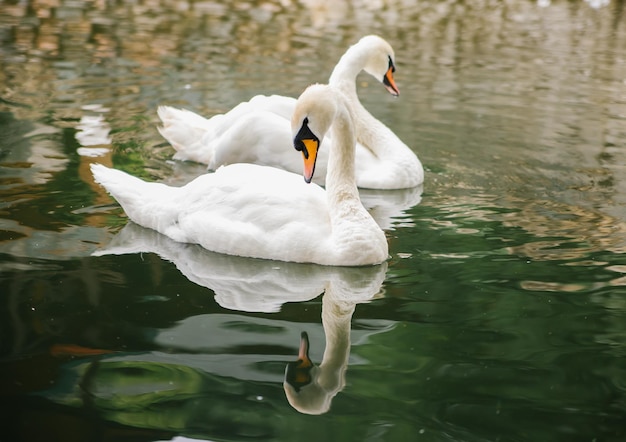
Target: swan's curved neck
340, 175
350, 64
371, 133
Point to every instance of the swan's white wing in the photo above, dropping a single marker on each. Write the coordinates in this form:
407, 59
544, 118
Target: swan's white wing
256, 132
255, 211
278, 104
199, 139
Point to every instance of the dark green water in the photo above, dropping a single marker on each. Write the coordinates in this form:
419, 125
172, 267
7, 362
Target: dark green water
500, 316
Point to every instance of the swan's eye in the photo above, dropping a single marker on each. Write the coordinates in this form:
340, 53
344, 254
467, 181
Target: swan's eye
391, 65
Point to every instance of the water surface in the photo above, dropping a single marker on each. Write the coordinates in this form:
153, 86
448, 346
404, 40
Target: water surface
499, 316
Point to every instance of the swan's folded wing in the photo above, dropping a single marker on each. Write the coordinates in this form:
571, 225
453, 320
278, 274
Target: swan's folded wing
256, 211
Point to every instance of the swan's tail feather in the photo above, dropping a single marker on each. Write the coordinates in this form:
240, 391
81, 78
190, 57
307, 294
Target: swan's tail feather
152, 205
137, 197
189, 133
125, 188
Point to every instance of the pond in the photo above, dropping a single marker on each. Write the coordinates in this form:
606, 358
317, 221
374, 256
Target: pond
500, 314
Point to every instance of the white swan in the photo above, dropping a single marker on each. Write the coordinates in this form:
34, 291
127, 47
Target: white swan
257, 131
253, 285
263, 212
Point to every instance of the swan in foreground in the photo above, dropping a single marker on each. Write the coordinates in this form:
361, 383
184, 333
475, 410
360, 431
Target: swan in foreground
264, 212
258, 131
253, 285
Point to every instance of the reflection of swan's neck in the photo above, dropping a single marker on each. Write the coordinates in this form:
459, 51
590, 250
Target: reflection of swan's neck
336, 318
310, 389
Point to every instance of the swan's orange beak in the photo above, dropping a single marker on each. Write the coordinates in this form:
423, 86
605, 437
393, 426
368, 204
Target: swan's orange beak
310, 158
390, 83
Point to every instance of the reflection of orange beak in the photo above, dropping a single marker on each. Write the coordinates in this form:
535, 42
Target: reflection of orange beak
390, 83
303, 352
302, 376
309, 158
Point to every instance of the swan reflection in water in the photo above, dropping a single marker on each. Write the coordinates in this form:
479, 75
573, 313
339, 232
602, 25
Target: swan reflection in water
253, 285
310, 389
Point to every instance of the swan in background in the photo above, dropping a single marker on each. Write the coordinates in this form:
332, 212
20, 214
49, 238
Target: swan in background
257, 131
254, 285
264, 212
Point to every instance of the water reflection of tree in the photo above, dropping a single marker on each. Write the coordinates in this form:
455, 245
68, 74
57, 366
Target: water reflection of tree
538, 229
